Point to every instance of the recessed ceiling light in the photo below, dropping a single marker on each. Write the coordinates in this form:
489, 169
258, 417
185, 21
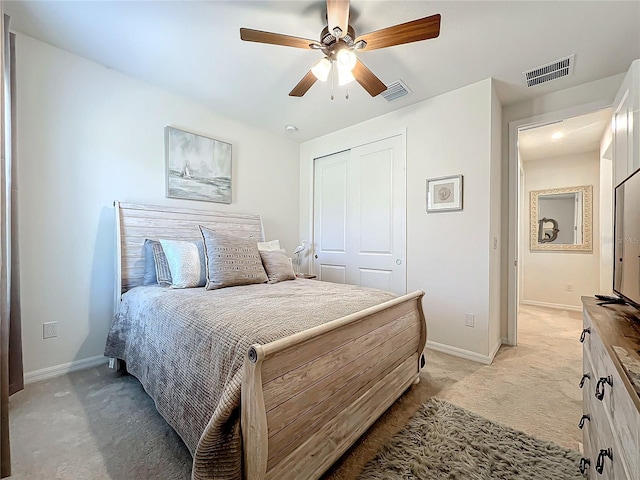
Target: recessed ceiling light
291, 128
557, 135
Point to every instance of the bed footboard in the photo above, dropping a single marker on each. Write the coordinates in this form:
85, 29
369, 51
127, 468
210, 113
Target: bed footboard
308, 397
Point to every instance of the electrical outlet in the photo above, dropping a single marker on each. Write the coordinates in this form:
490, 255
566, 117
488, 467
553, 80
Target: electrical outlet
49, 330
469, 319
569, 287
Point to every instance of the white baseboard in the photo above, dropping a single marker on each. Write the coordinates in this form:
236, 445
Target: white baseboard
559, 306
460, 352
59, 370
493, 354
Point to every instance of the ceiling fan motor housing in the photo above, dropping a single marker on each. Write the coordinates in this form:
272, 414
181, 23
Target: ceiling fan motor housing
327, 38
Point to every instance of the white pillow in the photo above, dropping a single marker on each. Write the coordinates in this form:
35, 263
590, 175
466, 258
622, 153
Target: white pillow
269, 246
184, 262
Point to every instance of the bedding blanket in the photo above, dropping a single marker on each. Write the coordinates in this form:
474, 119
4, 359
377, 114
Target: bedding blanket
187, 347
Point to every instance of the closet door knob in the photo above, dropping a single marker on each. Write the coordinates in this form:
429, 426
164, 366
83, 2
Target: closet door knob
600, 386
584, 377
604, 453
584, 417
584, 333
584, 464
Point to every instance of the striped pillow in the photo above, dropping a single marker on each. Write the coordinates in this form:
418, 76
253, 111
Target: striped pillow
163, 274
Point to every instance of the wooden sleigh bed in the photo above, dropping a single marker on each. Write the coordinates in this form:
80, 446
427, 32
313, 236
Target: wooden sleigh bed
307, 397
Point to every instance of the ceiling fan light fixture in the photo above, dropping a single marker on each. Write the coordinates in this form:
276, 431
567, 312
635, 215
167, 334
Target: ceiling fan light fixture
322, 69
360, 44
346, 59
344, 77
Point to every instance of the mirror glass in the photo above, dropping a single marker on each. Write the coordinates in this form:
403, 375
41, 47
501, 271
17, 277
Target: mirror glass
561, 219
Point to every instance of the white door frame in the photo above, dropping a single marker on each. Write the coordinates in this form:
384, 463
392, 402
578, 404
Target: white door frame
514, 188
340, 146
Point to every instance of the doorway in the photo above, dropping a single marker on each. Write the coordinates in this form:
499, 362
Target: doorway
564, 222
359, 216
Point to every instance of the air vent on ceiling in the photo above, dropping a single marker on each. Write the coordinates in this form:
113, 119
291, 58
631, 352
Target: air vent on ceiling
395, 90
551, 71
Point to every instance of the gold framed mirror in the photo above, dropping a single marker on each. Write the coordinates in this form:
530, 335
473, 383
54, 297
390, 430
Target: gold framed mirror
561, 219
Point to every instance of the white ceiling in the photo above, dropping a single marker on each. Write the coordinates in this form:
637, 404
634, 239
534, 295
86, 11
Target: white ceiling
193, 48
579, 135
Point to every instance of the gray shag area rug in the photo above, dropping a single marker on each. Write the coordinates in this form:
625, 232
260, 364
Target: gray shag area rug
443, 441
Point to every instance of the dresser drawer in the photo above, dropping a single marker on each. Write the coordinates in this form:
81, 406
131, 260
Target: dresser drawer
587, 454
587, 447
602, 439
616, 401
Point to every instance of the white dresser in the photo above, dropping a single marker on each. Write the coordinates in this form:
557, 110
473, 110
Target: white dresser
610, 386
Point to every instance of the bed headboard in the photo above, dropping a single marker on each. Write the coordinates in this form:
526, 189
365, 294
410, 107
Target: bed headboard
135, 223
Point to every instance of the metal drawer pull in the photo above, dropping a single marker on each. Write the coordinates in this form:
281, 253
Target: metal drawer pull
584, 333
601, 456
584, 417
584, 377
584, 464
601, 383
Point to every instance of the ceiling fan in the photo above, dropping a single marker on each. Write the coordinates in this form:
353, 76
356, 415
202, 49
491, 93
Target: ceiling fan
339, 44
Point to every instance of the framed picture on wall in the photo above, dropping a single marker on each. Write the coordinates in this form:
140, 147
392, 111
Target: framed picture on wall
198, 167
444, 194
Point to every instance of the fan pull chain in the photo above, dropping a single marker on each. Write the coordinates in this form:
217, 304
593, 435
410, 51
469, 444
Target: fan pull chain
346, 95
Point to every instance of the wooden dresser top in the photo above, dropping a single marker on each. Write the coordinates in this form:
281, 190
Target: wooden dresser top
619, 328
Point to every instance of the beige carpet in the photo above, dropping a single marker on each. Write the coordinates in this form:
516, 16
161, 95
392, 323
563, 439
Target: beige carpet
93, 424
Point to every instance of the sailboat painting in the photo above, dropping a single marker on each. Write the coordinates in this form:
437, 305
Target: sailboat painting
198, 167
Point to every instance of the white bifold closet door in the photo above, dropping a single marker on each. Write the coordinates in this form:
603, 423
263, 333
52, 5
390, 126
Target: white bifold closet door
359, 216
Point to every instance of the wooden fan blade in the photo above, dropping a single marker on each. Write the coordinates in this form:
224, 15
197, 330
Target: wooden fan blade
414, 31
367, 79
250, 35
338, 17
305, 84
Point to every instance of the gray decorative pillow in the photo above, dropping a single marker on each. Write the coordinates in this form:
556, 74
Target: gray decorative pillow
150, 277
277, 265
231, 261
183, 258
163, 273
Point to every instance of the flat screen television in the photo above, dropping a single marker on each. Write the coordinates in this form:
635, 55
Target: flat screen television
626, 250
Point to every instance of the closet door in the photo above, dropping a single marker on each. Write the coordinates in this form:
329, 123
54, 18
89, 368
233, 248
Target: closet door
330, 217
359, 216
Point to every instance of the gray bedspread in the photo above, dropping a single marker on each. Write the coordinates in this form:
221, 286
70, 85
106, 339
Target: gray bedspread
187, 348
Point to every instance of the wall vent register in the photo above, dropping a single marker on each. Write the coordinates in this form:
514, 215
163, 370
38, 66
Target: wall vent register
395, 90
550, 71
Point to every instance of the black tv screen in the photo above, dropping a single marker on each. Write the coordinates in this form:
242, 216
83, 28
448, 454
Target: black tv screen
626, 251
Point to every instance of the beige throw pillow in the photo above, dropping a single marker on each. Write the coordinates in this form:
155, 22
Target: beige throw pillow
231, 261
277, 265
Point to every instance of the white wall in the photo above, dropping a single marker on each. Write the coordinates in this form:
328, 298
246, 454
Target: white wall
495, 337
87, 136
448, 254
625, 125
545, 274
